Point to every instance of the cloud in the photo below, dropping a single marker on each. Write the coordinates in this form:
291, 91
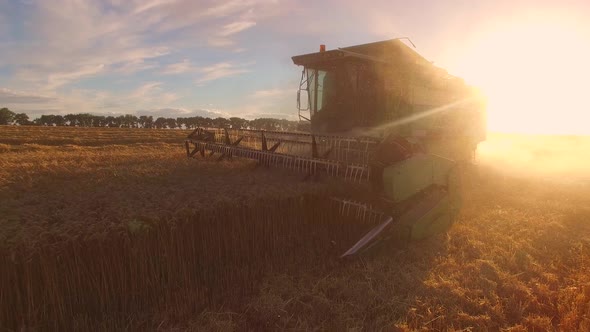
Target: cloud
220, 42
274, 115
58, 79
39, 78
272, 93
132, 66
210, 113
183, 14
182, 67
254, 111
276, 102
235, 27
279, 108
149, 93
220, 70
183, 113
208, 73
221, 38
8, 96
149, 5
146, 88
224, 9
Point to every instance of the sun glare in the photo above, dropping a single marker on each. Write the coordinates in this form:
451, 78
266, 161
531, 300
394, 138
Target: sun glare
536, 75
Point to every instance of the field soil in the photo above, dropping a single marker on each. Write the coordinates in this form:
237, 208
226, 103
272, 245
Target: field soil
124, 232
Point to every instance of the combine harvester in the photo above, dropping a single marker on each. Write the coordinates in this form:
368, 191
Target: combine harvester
387, 122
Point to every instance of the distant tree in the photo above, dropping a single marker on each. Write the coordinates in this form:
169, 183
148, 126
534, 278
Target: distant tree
190, 123
59, 120
180, 122
21, 119
206, 122
120, 121
128, 121
199, 121
145, 121
117, 121
265, 124
160, 122
171, 123
46, 120
287, 125
71, 119
110, 121
85, 119
6, 116
99, 121
238, 123
149, 122
221, 122
256, 124
304, 126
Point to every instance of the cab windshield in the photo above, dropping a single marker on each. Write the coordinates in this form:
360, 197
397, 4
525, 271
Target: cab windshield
321, 88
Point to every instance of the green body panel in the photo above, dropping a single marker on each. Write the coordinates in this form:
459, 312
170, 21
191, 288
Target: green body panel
439, 217
435, 221
436, 211
411, 176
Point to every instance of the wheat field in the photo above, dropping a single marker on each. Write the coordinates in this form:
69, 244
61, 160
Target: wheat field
115, 229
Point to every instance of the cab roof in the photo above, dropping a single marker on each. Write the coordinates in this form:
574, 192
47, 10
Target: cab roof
389, 52
382, 51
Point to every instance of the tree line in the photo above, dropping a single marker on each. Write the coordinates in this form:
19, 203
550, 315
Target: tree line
7, 117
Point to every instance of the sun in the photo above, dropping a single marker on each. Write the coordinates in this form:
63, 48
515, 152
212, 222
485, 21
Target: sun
535, 74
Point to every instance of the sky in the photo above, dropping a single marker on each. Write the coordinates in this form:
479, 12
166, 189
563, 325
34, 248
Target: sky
233, 58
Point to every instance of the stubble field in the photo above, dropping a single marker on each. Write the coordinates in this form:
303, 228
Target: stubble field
116, 229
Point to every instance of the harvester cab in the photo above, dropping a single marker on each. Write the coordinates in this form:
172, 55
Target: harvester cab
386, 88
381, 118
